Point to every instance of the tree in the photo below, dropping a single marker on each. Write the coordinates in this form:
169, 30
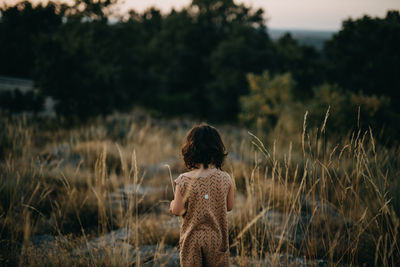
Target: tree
90, 10
202, 55
20, 28
90, 66
76, 67
268, 97
351, 111
303, 62
193, 61
364, 55
244, 50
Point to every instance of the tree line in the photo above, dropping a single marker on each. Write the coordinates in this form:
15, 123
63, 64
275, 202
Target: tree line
192, 61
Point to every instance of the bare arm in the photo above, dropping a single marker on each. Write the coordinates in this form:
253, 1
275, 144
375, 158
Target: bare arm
230, 198
177, 206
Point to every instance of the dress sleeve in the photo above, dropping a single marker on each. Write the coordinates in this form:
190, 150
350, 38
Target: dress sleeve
182, 185
230, 181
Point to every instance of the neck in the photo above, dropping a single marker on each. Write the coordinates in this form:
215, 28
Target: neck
210, 166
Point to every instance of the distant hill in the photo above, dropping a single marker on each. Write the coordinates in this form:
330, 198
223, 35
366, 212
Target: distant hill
305, 37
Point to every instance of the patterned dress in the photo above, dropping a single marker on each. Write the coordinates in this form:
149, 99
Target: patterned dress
204, 231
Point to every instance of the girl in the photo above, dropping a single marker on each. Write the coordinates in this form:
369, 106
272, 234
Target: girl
202, 197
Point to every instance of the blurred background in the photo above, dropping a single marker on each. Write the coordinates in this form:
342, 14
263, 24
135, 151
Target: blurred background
202, 58
96, 97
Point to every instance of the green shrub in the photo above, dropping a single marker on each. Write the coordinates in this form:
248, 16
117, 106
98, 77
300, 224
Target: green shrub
271, 106
268, 96
348, 111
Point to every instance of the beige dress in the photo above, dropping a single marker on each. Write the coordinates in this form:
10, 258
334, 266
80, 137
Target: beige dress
204, 230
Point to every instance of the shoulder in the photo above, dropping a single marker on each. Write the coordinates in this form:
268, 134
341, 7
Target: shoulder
225, 174
188, 174
179, 178
183, 176
226, 177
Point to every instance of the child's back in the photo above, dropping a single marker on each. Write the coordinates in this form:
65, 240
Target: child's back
202, 197
204, 230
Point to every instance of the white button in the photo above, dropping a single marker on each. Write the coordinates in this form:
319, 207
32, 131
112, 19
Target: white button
206, 196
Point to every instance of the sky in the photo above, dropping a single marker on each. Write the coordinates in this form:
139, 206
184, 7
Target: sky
286, 14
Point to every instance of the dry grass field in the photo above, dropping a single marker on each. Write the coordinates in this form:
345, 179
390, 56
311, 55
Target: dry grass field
98, 194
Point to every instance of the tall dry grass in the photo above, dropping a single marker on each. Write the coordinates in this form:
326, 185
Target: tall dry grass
300, 201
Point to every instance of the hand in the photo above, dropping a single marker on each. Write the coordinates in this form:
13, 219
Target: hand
170, 206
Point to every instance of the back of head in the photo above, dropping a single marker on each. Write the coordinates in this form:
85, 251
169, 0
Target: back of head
203, 144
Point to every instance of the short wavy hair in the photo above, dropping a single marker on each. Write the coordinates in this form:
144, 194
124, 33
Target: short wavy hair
203, 144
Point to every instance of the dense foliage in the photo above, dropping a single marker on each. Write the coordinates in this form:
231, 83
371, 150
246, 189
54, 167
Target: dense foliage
193, 61
364, 55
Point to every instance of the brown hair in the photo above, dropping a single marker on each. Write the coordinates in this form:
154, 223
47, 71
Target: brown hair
203, 144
